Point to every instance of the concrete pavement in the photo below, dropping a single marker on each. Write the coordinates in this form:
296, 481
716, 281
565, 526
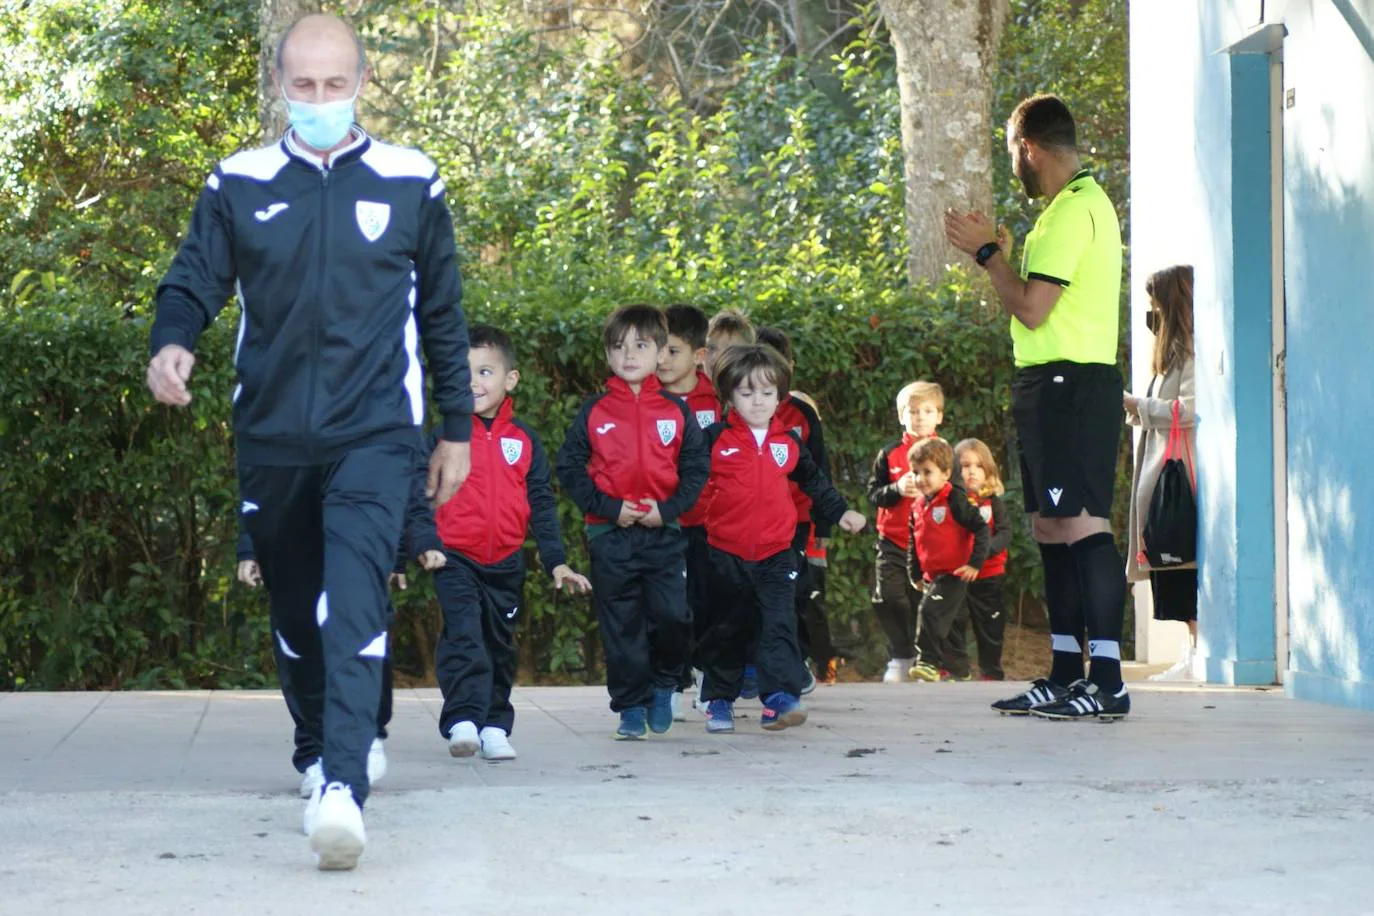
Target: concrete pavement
892, 798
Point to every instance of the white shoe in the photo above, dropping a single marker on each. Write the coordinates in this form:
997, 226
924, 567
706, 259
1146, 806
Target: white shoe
1181, 671
679, 714
312, 779
463, 740
337, 835
896, 670
496, 744
376, 761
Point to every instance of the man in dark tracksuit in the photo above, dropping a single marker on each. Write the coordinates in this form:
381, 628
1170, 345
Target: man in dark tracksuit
633, 461
342, 255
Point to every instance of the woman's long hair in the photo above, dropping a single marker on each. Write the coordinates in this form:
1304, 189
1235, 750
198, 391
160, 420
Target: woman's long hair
1171, 296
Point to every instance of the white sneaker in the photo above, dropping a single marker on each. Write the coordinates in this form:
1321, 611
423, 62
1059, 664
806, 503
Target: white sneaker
376, 761
337, 835
312, 779
1181, 671
896, 670
679, 714
463, 740
496, 744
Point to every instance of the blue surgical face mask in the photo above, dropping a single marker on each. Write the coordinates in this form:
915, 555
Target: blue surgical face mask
321, 125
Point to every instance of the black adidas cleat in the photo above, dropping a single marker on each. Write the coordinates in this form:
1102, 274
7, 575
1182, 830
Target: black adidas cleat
1041, 691
1086, 701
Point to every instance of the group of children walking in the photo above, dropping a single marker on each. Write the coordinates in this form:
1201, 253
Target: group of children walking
703, 481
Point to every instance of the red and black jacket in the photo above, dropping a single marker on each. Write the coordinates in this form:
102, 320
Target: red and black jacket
627, 447
994, 512
704, 404
508, 493
801, 418
748, 499
946, 532
894, 509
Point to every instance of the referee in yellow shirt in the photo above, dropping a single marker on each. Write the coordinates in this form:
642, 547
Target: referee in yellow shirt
1066, 401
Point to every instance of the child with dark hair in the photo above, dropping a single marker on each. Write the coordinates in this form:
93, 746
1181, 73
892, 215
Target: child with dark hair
750, 525
633, 461
949, 542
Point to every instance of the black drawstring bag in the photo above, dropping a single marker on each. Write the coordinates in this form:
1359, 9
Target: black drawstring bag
1170, 534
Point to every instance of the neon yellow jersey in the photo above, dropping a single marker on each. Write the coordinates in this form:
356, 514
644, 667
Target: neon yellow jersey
1076, 243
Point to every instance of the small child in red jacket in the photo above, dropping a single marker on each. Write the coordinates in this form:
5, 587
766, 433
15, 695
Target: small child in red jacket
474, 544
751, 521
633, 461
985, 605
949, 542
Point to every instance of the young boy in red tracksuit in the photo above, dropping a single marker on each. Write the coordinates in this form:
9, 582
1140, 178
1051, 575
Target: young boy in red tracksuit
680, 373
949, 542
798, 413
633, 461
750, 525
479, 576
891, 487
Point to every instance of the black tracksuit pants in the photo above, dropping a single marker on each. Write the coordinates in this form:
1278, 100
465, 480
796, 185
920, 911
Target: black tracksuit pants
639, 587
987, 612
940, 607
751, 604
895, 601
475, 659
698, 556
325, 537
813, 630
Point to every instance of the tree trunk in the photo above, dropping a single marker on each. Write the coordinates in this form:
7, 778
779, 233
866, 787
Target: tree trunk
946, 60
274, 17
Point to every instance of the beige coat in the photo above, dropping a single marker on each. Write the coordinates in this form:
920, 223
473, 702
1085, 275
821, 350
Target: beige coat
1156, 415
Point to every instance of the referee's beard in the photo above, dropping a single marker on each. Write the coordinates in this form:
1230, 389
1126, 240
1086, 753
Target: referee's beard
1023, 169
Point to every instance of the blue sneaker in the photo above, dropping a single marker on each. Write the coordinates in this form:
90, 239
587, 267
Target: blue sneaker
632, 724
720, 717
781, 710
661, 713
749, 687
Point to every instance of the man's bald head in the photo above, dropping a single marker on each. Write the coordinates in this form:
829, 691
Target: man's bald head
320, 31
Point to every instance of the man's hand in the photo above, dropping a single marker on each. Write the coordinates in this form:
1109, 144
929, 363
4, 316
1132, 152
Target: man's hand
967, 573
168, 373
397, 581
630, 513
853, 522
969, 231
249, 573
431, 560
652, 518
448, 468
906, 485
563, 575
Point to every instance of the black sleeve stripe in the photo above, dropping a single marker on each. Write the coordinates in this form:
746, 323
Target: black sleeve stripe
1048, 279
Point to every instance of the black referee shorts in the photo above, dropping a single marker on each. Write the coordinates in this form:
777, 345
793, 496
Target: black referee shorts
1068, 428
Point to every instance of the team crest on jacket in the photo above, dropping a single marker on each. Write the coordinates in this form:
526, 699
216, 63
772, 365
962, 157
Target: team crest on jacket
372, 218
986, 512
705, 418
938, 514
779, 452
512, 449
667, 429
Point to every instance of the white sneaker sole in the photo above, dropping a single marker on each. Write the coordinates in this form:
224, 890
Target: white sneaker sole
336, 847
463, 748
503, 754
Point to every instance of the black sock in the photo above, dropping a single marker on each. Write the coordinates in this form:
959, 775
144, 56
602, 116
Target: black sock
1063, 600
1102, 579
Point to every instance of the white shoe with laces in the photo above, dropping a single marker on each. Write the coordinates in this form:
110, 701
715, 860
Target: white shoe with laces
463, 740
896, 670
496, 744
312, 779
376, 761
679, 713
337, 835
1182, 670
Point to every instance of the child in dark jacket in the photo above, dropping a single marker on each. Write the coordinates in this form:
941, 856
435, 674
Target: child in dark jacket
633, 461
949, 542
985, 605
751, 522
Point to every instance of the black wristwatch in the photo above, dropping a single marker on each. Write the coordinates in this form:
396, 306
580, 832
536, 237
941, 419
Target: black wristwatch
984, 254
